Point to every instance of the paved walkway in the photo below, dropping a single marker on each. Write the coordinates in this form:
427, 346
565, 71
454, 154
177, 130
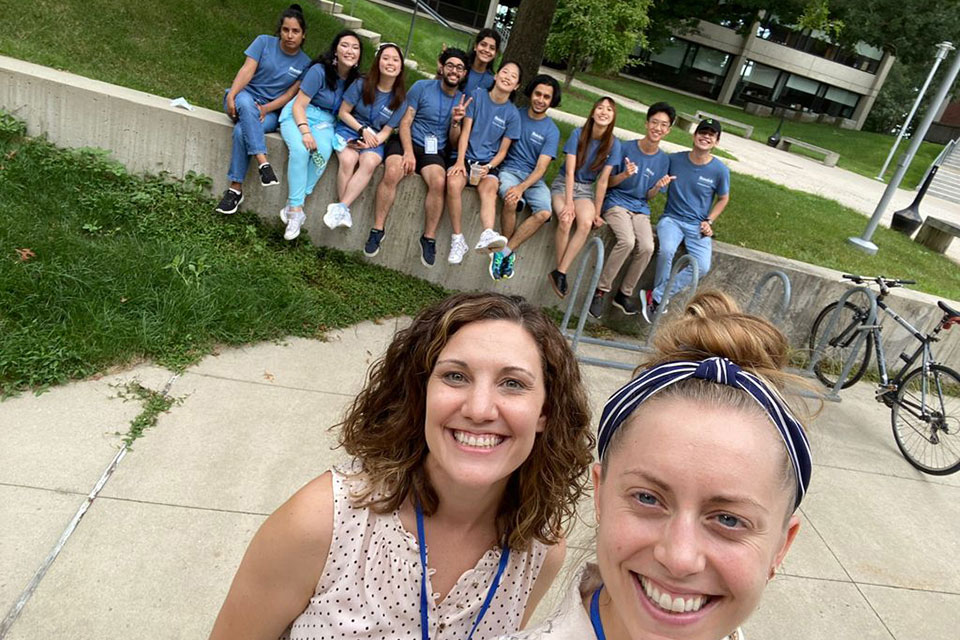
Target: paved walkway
878, 556
798, 172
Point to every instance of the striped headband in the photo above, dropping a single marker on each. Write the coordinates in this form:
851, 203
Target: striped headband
722, 371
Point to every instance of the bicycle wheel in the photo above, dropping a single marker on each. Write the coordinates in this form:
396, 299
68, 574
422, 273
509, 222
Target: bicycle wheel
926, 420
840, 346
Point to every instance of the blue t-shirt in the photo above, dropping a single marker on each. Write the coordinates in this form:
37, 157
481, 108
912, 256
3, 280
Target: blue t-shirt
631, 194
276, 70
537, 138
476, 79
492, 123
315, 86
690, 196
433, 110
377, 115
584, 174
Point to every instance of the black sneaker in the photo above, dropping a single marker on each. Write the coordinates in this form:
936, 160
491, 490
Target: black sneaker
625, 304
428, 251
596, 306
230, 202
267, 177
558, 281
372, 247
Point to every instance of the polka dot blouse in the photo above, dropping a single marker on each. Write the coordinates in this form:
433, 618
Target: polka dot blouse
370, 587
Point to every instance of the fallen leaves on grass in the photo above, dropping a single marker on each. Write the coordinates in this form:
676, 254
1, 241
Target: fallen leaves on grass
25, 254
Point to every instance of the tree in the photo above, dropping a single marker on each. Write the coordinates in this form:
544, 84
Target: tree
601, 32
528, 36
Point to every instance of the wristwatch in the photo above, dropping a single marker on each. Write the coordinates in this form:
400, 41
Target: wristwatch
360, 130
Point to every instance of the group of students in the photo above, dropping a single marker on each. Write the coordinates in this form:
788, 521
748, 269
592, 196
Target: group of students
470, 448
462, 128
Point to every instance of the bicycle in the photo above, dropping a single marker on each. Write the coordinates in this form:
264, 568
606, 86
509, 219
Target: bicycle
924, 401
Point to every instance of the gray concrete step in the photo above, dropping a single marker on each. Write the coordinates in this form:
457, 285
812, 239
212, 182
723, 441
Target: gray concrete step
370, 36
349, 21
329, 7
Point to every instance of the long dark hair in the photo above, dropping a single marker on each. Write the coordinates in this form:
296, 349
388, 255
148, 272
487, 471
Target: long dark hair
606, 140
483, 33
294, 11
328, 60
372, 79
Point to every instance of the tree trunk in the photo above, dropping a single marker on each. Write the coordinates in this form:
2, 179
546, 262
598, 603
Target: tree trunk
572, 63
528, 38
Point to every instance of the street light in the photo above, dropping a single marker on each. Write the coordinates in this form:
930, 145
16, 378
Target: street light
943, 49
863, 242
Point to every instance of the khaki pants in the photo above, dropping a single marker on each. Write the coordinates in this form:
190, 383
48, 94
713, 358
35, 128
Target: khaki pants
635, 239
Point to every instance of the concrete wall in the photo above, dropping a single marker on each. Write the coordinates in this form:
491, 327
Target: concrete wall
146, 134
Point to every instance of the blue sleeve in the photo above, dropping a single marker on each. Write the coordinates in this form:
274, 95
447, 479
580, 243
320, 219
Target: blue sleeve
723, 184
472, 107
397, 116
616, 154
513, 125
487, 80
313, 81
414, 95
354, 93
255, 50
552, 144
571, 145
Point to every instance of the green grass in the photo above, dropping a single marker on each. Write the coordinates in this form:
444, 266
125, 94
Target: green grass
123, 268
862, 152
772, 218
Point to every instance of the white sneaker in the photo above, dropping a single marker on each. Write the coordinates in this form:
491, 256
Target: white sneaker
295, 220
283, 214
331, 217
458, 248
490, 241
344, 219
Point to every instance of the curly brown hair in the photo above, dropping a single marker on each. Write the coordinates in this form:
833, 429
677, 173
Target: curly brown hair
384, 428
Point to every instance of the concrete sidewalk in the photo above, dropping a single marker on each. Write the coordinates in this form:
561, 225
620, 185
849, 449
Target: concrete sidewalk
878, 556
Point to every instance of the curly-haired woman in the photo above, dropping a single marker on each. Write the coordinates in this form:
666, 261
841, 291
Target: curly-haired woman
470, 443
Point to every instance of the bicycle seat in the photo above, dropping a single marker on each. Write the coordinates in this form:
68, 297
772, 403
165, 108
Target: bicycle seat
950, 310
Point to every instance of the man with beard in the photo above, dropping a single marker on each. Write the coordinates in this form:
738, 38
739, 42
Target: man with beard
521, 178
434, 109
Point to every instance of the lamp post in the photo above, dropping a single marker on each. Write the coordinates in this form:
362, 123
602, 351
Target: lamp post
943, 50
863, 242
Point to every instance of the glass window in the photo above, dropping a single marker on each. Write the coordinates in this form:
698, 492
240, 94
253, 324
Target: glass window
711, 61
759, 74
842, 96
803, 85
672, 55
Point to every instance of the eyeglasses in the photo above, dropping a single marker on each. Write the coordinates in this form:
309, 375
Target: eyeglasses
459, 68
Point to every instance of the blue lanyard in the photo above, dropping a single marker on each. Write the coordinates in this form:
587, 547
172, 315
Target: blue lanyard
440, 101
424, 622
595, 614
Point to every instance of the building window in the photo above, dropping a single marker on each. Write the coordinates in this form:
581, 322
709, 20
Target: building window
863, 57
684, 65
773, 87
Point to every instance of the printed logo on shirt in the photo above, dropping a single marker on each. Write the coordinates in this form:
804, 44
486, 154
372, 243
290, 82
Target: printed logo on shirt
386, 111
499, 122
704, 180
293, 71
536, 137
648, 172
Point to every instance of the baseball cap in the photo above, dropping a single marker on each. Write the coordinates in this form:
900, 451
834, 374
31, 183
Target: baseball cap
711, 125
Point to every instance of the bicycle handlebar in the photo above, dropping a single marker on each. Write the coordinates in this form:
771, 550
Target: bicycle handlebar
879, 280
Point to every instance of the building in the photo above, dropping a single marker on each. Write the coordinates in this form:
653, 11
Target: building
772, 65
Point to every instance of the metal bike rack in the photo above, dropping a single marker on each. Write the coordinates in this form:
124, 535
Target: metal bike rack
596, 250
781, 312
863, 333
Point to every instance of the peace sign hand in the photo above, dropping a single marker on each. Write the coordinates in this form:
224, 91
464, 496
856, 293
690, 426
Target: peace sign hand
460, 110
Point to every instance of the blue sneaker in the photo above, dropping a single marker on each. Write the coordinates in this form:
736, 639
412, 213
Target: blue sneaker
496, 264
428, 251
506, 267
372, 247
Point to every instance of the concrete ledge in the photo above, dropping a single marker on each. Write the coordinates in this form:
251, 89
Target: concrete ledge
145, 134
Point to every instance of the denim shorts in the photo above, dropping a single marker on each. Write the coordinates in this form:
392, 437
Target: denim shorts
537, 196
581, 190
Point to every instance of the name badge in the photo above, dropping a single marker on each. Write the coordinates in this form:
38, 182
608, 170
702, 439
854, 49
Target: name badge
430, 146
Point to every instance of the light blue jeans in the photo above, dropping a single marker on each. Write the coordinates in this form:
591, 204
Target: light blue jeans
670, 233
302, 170
248, 133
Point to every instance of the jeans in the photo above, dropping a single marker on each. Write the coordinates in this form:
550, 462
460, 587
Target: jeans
302, 170
671, 232
248, 133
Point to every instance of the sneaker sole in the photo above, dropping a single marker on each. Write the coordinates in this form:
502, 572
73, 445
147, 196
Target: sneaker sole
494, 246
374, 254
283, 215
556, 289
624, 310
269, 184
426, 264
494, 275
230, 211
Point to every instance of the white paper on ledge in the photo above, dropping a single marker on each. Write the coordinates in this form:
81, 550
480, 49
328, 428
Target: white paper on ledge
182, 103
